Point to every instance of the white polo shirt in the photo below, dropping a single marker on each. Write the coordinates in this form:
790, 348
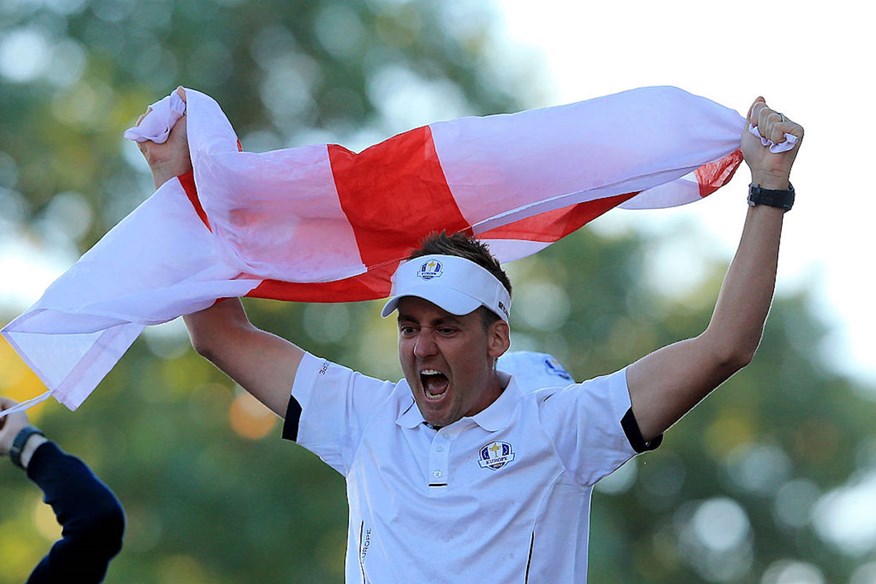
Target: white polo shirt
500, 497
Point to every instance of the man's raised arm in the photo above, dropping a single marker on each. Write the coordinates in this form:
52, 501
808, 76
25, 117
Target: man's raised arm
262, 363
670, 381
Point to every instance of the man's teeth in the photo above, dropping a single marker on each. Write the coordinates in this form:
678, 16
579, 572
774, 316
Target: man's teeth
427, 386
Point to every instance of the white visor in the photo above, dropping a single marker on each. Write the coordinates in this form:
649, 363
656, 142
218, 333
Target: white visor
457, 285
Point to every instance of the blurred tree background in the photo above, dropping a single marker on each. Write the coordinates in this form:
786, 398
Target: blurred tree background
758, 484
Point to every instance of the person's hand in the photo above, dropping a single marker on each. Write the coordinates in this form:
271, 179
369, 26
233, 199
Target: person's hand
170, 159
771, 170
10, 425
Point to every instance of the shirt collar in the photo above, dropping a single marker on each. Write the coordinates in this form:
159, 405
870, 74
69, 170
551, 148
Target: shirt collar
497, 416
410, 416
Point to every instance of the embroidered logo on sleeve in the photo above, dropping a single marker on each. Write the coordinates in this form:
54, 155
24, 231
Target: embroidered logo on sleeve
495, 455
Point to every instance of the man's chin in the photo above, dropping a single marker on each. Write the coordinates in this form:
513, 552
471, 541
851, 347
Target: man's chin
434, 418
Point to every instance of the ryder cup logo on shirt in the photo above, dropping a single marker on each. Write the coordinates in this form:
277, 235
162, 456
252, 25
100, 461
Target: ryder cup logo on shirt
495, 455
431, 269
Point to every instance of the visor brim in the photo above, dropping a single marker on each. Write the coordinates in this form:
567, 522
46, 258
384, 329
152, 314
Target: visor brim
453, 301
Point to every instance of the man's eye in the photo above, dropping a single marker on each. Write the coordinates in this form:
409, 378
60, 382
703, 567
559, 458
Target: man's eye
446, 330
406, 330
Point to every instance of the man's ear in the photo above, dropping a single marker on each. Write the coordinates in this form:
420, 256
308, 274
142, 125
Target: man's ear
498, 338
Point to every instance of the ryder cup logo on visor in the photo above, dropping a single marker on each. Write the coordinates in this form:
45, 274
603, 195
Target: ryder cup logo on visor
431, 269
495, 455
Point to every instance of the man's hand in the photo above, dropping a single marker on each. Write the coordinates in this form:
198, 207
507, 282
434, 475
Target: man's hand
170, 159
770, 170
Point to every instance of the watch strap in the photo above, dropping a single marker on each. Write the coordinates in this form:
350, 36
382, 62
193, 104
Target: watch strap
783, 199
20, 441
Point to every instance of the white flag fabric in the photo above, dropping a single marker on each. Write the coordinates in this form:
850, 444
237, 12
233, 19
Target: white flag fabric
322, 223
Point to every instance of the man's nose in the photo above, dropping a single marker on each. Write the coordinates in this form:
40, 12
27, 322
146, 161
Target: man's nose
425, 345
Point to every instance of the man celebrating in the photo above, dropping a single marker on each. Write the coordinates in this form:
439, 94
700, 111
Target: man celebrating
455, 473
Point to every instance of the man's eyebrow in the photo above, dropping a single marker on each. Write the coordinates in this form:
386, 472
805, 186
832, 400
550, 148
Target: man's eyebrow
448, 319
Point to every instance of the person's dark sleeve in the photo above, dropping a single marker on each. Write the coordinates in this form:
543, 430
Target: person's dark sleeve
91, 516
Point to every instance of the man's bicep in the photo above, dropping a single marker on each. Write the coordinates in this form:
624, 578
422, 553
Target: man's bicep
264, 365
667, 383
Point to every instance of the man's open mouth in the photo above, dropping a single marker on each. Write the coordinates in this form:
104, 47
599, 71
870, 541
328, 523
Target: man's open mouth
435, 383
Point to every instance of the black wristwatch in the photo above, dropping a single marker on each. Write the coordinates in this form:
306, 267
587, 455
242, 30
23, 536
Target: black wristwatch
20, 440
772, 198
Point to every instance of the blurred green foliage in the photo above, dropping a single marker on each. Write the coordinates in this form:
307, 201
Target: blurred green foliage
212, 495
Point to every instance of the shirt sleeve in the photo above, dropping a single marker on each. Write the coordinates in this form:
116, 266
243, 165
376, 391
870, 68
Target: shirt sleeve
592, 426
91, 516
330, 407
